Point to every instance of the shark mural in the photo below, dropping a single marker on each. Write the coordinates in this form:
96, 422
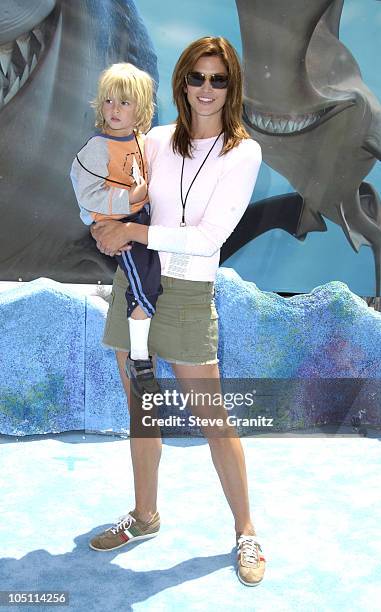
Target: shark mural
317, 122
51, 54
305, 103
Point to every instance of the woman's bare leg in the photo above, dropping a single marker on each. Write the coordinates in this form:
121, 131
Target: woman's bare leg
227, 454
145, 455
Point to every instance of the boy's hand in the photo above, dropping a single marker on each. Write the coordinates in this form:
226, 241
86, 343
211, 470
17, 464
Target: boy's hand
139, 192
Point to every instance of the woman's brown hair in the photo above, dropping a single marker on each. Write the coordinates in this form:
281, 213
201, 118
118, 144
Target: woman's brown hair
232, 126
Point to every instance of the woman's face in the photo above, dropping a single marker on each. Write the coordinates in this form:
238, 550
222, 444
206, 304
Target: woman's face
206, 101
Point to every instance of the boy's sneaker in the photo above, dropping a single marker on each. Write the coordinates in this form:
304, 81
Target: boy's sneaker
142, 377
250, 560
127, 529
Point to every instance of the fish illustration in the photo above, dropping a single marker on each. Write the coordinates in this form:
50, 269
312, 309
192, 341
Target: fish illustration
51, 55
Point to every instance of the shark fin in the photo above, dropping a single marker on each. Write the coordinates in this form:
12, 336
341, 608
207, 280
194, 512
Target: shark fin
310, 221
370, 202
373, 147
332, 17
355, 239
377, 263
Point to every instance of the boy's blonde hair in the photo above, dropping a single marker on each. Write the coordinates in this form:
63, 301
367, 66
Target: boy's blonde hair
126, 82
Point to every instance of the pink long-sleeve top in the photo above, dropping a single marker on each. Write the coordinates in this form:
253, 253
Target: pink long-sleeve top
215, 204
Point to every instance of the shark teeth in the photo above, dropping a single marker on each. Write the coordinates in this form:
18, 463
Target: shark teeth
13, 90
5, 56
24, 45
284, 124
19, 58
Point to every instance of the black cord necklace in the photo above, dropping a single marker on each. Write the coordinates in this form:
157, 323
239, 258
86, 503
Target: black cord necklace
183, 202
106, 178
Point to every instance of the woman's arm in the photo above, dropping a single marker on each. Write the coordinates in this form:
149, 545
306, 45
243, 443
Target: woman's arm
112, 237
225, 208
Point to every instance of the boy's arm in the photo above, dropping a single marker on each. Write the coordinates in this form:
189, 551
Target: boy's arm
92, 192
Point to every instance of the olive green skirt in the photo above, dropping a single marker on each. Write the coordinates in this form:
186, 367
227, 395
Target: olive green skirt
184, 328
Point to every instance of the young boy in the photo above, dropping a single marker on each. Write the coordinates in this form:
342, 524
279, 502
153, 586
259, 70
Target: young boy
109, 177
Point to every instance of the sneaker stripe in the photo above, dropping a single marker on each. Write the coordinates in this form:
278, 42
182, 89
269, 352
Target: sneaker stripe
133, 531
140, 372
124, 536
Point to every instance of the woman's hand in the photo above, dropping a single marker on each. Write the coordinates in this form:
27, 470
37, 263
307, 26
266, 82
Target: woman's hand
111, 237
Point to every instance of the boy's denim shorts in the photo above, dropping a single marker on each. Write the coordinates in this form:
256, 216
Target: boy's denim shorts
184, 328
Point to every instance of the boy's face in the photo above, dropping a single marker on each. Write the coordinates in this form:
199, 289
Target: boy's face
119, 116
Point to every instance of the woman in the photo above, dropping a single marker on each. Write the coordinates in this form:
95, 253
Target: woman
202, 173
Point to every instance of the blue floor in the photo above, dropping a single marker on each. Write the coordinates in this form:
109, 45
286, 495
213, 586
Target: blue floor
315, 501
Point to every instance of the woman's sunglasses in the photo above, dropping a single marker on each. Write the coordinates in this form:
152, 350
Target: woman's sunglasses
197, 79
